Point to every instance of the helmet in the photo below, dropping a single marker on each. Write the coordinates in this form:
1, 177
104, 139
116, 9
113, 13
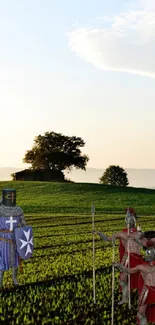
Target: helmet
9, 197
150, 254
150, 250
131, 211
131, 221
130, 218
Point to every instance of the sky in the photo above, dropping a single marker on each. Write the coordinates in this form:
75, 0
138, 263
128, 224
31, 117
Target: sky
82, 68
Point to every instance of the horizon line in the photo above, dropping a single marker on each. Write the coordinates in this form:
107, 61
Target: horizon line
97, 168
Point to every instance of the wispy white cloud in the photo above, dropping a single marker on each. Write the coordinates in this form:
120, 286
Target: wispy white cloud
127, 44
147, 4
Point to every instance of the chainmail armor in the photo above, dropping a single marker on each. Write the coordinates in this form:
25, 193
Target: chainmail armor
123, 269
14, 212
10, 211
138, 241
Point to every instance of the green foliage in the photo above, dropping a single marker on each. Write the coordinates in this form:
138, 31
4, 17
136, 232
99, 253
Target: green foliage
56, 284
57, 152
13, 175
49, 197
114, 175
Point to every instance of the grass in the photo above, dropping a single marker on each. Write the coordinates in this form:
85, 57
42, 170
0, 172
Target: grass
47, 198
56, 284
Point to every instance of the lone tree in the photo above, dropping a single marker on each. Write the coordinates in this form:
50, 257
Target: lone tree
57, 152
114, 175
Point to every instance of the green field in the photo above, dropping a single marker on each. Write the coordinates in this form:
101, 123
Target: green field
56, 286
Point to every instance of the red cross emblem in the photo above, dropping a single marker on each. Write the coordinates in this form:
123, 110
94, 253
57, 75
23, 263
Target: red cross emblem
10, 196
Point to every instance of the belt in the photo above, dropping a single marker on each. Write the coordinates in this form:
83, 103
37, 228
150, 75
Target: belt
10, 241
124, 259
143, 296
5, 230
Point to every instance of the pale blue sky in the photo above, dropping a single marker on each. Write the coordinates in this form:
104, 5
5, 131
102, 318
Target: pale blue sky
83, 68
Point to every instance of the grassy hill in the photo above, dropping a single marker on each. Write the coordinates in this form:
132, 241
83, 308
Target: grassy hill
48, 198
56, 285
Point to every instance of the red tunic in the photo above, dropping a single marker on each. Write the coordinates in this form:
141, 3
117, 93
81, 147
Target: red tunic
135, 259
150, 299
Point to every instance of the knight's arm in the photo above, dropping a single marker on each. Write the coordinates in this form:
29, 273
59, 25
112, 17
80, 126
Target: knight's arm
109, 238
23, 222
104, 237
22, 219
139, 242
127, 270
151, 242
142, 242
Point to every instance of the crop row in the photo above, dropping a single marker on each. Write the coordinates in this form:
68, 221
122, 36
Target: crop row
56, 286
65, 301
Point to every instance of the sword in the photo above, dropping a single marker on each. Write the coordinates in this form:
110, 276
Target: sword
93, 228
129, 303
113, 282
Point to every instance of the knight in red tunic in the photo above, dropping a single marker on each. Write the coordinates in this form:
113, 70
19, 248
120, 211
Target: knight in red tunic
129, 212
147, 240
135, 281
146, 301
131, 254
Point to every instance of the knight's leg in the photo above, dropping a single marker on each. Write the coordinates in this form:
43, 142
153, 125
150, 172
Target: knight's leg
124, 285
141, 315
14, 269
1, 278
14, 276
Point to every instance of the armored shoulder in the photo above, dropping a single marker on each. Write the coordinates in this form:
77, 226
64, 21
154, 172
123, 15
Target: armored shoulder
19, 211
6, 211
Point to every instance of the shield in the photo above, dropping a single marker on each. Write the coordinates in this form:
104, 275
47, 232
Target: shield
24, 241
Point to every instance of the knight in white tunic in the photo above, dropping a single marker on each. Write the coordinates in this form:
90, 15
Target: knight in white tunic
11, 217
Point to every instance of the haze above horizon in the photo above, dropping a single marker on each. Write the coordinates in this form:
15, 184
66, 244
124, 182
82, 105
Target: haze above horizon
137, 177
79, 68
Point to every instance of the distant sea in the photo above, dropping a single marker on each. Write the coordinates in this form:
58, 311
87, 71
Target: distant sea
137, 177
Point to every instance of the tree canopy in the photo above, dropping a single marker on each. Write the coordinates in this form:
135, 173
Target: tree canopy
114, 175
54, 151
